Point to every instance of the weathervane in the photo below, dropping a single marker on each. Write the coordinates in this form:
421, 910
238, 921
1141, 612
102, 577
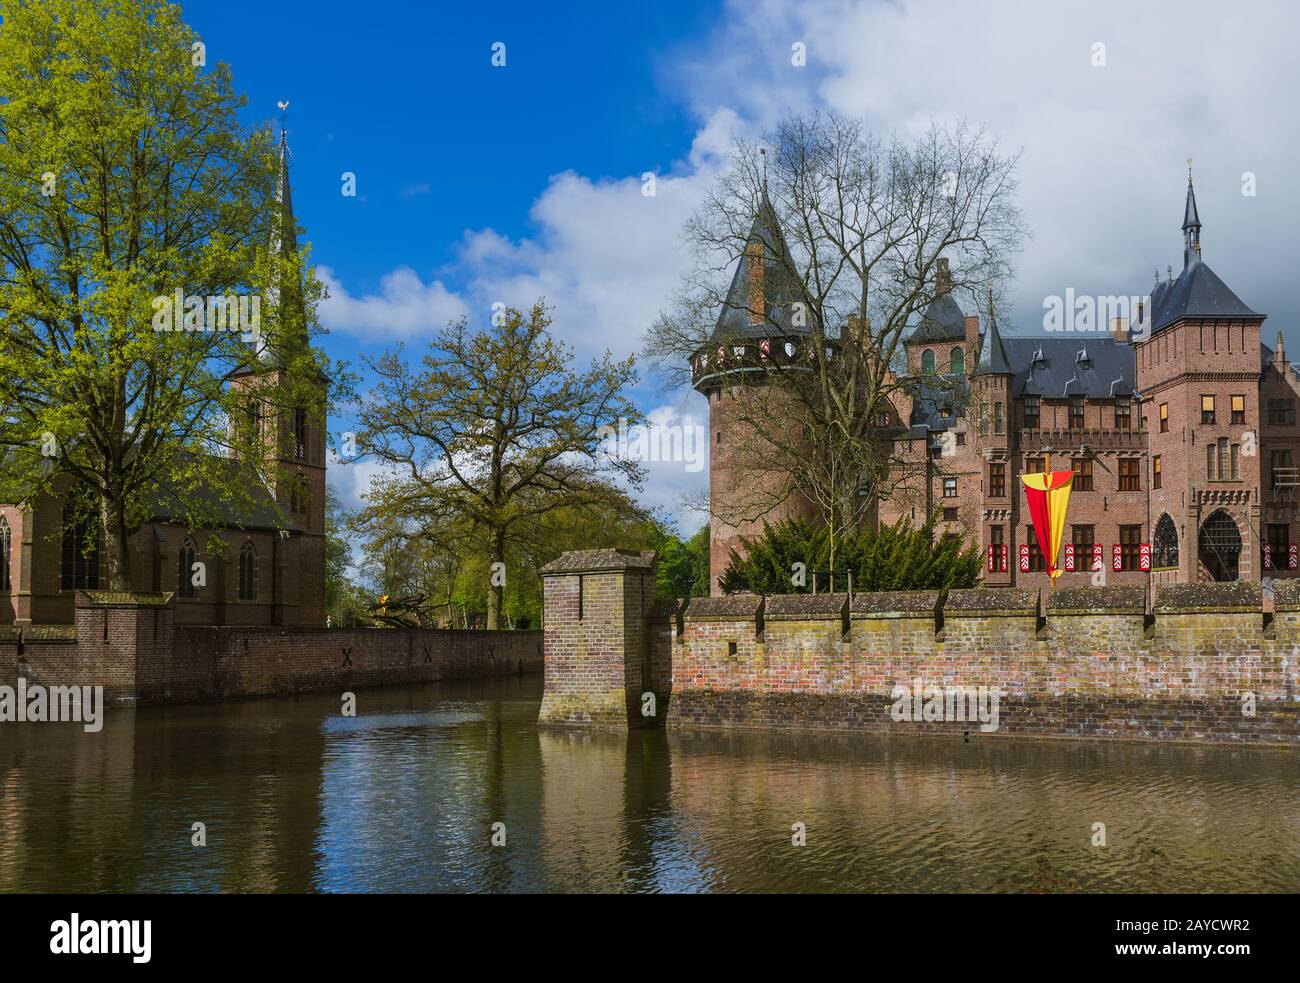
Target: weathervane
284, 115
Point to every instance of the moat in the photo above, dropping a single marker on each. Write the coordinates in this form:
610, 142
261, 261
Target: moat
403, 797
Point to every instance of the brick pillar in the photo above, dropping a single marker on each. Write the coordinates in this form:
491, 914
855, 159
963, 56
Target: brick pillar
596, 654
128, 638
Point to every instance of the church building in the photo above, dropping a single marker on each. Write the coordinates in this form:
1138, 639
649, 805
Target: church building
272, 569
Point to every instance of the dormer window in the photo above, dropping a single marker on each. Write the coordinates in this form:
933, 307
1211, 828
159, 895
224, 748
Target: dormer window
1039, 359
1082, 358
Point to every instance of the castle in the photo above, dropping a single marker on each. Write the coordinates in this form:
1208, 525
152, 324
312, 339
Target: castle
272, 570
1182, 436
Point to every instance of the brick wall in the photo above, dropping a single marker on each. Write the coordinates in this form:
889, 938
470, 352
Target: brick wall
1095, 666
1210, 665
131, 645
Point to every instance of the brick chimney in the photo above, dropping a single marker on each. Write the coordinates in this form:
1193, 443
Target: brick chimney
754, 261
972, 338
1119, 328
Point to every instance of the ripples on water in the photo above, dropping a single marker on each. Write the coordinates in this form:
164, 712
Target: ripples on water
403, 796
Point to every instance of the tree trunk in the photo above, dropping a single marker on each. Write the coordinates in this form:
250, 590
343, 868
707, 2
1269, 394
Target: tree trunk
496, 591
114, 541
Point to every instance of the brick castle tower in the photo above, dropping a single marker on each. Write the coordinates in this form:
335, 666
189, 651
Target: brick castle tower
761, 329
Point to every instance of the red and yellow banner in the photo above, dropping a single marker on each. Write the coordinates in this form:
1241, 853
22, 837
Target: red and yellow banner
1048, 495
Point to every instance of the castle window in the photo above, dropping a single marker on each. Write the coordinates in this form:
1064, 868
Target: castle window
79, 559
1076, 412
247, 573
1129, 479
1035, 465
1031, 413
1280, 471
927, 362
1238, 410
1130, 543
1037, 563
300, 433
1210, 455
997, 480
1123, 413
957, 362
1164, 548
1281, 412
949, 515
984, 419
997, 418
1164, 417
949, 487
185, 569
1155, 471
1207, 409
995, 540
1082, 537
1279, 541
961, 440
5, 555
1082, 474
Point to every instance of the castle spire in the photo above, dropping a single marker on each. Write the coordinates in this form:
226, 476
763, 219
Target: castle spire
284, 229
1191, 224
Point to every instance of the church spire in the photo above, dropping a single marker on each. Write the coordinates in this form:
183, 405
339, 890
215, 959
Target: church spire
1191, 224
284, 229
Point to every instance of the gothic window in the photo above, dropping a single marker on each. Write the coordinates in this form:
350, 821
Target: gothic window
1164, 547
247, 573
957, 362
300, 434
5, 555
79, 557
927, 362
185, 569
298, 496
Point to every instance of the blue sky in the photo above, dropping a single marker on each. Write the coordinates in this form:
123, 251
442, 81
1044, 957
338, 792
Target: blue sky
478, 184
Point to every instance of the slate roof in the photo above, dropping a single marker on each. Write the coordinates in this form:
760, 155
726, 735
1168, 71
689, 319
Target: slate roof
992, 359
1054, 366
780, 287
942, 321
1197, 292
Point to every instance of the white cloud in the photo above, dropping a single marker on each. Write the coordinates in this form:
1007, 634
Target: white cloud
1104, 148
404, 307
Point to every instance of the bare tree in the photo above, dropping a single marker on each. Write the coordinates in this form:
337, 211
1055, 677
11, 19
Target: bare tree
852, 229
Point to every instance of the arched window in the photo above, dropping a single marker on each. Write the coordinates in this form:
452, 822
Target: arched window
927, 362
5, 555
185, 569
79, 558
248, 573
1164, 547
299, 498
957, 362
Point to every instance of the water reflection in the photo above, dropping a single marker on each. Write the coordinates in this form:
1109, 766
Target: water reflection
403, 798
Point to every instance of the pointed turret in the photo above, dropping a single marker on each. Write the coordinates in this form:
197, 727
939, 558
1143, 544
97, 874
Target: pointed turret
764, 288
1191, 225
993, 354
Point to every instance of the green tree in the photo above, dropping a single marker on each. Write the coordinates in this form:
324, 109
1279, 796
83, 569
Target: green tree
494, 431
682, 568
897, 557
125, 176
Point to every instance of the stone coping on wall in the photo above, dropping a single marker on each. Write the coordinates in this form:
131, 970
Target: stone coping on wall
122, 599
599, 561
1235, 597
1286, 595
986, 602
725, 607
805, 607
1097, 600
895, 604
